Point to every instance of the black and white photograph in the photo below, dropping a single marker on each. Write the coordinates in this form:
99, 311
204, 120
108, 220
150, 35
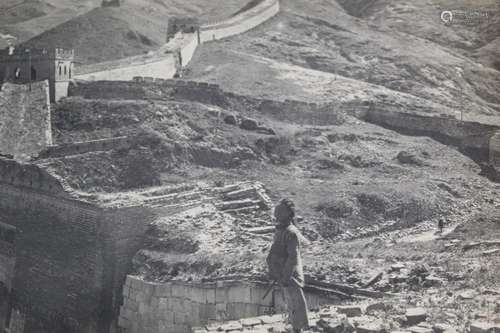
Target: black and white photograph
249, 166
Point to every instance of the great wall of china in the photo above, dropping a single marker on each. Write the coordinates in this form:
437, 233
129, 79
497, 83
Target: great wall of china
107, 236
179, 51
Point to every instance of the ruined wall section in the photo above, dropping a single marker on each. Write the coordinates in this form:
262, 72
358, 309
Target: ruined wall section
58, 271
177, 306
71, 256
472, 138
202, 92
25, 127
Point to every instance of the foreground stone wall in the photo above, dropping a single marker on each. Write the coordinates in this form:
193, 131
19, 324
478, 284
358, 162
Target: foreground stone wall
71, 256
25, 127
57, 274
176, 306
7, 263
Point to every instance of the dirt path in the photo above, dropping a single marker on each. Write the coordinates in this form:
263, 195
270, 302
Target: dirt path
428, 235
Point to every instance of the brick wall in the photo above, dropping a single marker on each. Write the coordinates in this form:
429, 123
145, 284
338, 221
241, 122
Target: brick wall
7, 263
71, 257
121, 142
25, 127
175, 307
58, 271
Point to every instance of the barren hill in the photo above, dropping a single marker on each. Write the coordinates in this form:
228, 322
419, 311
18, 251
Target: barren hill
327, 50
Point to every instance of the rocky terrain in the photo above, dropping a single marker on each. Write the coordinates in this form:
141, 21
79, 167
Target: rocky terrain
368, 197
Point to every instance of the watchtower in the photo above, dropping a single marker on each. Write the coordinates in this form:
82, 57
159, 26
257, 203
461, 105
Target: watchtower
184, 24
24, 65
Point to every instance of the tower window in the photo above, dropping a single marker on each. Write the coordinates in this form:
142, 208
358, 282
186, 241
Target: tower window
64, 70
60, 71
70, 72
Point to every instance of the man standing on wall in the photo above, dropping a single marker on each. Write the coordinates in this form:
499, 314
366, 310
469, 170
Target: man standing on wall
285, 264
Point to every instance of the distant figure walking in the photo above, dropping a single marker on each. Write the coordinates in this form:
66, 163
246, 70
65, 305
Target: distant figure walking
440, 225
285, 264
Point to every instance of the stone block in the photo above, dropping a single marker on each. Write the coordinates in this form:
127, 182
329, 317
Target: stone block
420, 329
221, 307
178, 291
271, 319
350, 310
249, 124
231, 326
335, 326
415, 316
198, 295
123, 322
210, 295
181, 318
163, 290
239, 294
143, 308
376, 307
250, 322
132, 305
484, 327
370, 328
163, 304
221, 295
198, 330
178, 305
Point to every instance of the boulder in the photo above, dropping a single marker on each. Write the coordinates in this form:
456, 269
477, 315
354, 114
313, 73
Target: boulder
420, 329
335, 326
249, 124
415, 316
376, 307
467, 295
370, 328
484, 327
350, 310
231, 120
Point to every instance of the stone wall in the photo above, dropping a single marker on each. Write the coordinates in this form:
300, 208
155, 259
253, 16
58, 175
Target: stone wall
74, 148
57, 274
242, 23
175, 307
472, 138
165, 66
25, 127
7, 264
151, 88
71, 256
162, 67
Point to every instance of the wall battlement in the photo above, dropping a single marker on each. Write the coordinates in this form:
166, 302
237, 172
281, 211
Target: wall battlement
168, 64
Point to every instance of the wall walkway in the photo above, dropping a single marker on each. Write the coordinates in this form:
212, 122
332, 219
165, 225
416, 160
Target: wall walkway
178, 52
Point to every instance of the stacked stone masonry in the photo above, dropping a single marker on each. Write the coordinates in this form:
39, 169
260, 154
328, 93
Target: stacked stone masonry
176, 306
25, 127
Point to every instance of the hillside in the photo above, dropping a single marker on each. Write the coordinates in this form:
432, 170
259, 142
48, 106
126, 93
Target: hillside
101, 34
329, 51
